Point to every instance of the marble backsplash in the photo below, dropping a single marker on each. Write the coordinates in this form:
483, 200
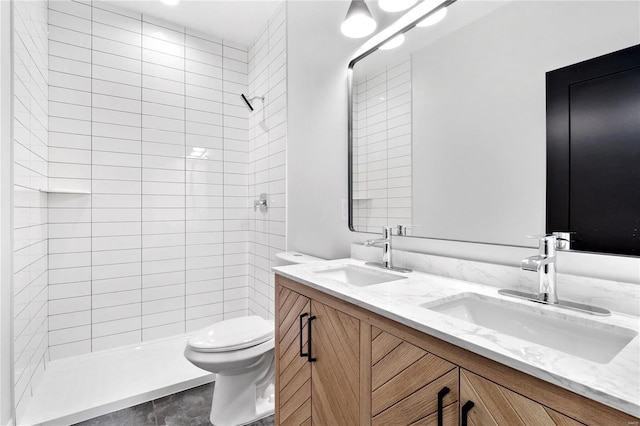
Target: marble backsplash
623, 297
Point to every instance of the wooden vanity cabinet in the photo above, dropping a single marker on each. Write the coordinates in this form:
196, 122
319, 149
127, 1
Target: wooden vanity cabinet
370, 370
318, 362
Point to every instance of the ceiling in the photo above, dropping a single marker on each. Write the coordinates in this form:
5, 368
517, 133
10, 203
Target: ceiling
239, 21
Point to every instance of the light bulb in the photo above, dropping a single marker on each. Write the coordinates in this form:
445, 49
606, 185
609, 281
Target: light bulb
393, 43
358, 22
395, 5
434, 18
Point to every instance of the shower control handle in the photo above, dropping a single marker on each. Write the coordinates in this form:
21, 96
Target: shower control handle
302, 354
261, 203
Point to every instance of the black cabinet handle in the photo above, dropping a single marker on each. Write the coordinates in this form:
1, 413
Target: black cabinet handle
302, 354
465, 411
309, 357
445, 390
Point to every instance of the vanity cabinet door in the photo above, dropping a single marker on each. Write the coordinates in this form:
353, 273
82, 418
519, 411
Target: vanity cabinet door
335, 373
409, 385
293, 380
318, 363
495, 405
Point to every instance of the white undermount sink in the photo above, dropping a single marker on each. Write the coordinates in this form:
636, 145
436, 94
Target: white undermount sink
357, 275
580, 337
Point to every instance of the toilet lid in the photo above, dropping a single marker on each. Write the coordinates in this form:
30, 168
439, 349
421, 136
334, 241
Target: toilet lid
233, 334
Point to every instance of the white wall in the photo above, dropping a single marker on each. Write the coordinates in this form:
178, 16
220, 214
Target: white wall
317, 156
6, 207
317, 128
147, 116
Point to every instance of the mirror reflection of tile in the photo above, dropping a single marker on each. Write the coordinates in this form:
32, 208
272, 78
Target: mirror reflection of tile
382, 148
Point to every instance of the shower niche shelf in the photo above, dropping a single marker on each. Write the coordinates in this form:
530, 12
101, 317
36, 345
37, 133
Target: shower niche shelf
64, 191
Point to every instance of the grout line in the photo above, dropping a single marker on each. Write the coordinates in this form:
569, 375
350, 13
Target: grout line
142, 92
224, 185
185, 177
91, 196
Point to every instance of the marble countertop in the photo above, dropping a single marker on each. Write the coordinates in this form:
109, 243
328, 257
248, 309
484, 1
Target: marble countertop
614, 383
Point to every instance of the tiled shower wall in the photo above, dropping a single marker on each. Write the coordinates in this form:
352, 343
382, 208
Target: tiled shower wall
30, 215
382, 149
267, 159
146, 118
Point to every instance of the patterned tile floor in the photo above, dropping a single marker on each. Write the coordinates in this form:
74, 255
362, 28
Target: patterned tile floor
189, 408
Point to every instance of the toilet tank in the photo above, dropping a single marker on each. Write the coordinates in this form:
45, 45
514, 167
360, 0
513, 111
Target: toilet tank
293, 257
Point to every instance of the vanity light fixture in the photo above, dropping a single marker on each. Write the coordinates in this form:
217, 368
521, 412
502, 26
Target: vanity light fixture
358, 23
396, 5
433, 18
393, 43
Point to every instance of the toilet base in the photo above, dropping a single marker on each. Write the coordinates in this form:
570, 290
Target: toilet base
241, 399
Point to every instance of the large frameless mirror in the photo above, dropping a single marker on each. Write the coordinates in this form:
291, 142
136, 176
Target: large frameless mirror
448, 130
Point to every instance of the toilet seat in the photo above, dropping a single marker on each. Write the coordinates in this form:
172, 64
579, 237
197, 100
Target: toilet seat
232, 335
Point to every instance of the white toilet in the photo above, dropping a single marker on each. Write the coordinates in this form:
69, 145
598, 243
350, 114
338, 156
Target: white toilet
241, 352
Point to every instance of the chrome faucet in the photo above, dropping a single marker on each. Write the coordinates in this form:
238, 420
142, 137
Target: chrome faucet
385, 243
545, 264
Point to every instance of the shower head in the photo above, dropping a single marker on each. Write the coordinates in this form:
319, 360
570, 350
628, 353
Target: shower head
246, 101
249, 101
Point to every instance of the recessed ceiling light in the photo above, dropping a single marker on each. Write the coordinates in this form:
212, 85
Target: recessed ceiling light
396, 5
434, 18
170, 2
393, 43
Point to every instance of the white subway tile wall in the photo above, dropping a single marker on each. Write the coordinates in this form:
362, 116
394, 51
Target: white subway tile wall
30, 328
382, 149
147, 116
267, 160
